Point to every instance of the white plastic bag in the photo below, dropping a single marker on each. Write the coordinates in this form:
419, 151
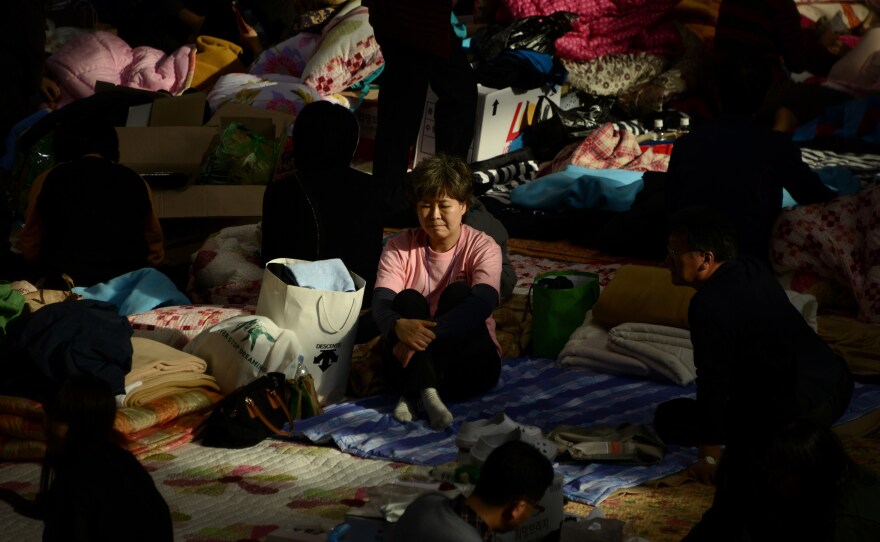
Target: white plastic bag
243, 348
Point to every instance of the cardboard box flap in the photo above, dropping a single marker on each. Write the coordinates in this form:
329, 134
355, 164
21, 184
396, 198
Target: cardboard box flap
160, 149
184, 110
165, 109
241, 111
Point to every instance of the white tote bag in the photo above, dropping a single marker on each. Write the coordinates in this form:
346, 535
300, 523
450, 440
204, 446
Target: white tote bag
324, 323
242, 348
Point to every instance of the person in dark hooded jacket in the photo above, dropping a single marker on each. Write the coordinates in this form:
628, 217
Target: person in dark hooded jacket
326, 209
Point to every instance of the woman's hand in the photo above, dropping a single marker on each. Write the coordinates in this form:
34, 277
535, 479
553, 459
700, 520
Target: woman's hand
416, 334
403, 353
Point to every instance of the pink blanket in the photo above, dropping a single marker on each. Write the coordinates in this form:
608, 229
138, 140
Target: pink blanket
839, 240
102, 56
607, 27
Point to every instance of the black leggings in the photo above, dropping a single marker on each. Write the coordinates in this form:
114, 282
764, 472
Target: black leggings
457, 366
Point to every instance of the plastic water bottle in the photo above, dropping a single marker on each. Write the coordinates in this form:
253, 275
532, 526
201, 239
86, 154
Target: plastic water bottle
300, 367
684, 126
657, 133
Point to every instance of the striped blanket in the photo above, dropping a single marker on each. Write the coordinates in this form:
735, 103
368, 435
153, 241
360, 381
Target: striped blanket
536, 392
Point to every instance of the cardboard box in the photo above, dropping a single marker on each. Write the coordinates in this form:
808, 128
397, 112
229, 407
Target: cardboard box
182, 149
166, 136
171, 143
204, 200
165, 149
500, 117
185, 110
252, 117
540, 524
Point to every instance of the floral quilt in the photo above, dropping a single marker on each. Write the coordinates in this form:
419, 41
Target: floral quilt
838, 240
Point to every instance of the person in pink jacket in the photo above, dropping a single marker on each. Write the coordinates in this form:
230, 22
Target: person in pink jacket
435, 291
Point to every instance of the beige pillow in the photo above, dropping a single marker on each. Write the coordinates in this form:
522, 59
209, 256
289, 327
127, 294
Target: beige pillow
639, 293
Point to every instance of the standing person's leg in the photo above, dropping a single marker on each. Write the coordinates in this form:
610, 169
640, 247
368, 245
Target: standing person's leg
402, 90
454, 82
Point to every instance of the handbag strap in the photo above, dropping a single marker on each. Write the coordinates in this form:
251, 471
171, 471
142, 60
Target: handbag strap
254, 410
528, 308
299, 400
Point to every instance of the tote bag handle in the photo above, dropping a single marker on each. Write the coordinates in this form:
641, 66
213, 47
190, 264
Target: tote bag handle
324, 318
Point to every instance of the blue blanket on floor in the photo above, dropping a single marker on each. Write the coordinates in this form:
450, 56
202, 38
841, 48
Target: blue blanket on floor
536, 392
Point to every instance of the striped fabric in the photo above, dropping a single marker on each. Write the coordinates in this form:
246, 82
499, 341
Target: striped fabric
864, 166
502, 180
531, 391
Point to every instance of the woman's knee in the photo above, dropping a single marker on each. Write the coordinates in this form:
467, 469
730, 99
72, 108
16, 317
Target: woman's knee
453, 296
411, 303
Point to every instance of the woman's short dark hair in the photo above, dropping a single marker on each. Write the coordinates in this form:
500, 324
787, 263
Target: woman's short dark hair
706, 230
440, 175
514, 471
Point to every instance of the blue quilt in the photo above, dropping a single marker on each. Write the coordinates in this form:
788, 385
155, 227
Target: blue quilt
535, 392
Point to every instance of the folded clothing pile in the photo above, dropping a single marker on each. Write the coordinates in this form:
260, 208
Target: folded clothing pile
158, 370
160, 414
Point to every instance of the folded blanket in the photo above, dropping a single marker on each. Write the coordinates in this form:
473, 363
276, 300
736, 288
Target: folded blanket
647, 350
165, 437
666, 351
162, 424
641, 350
588, 346
330, 275
21, 428
152, 359
132, 420
162, 370
16, 449
170, 384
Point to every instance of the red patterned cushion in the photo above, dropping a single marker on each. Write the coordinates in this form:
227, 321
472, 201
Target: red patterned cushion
176, 326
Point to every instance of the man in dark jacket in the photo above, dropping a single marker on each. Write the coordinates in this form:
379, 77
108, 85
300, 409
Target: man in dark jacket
759, 365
